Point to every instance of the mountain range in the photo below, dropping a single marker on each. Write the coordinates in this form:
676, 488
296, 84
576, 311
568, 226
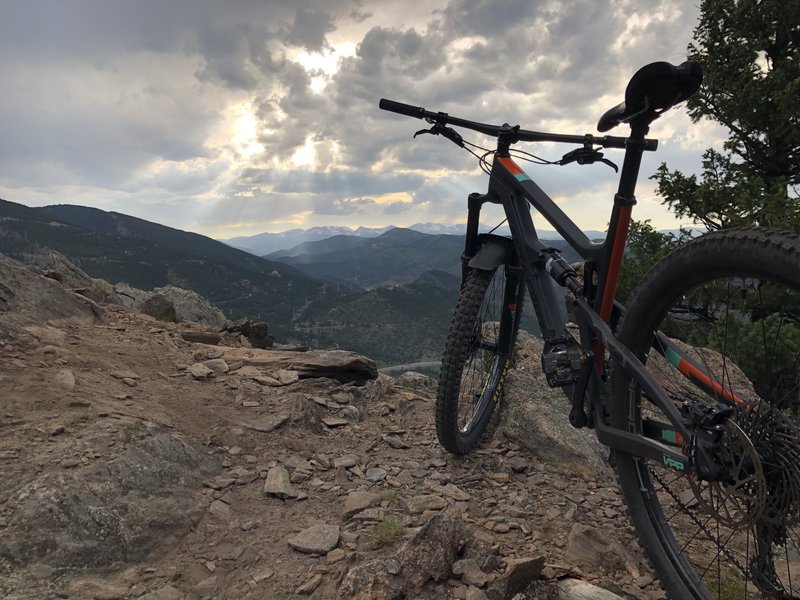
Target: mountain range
120, 248
387, 294
390, 323
396, 257
267, 243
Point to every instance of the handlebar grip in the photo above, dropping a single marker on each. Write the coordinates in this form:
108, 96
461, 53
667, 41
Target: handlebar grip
403, 109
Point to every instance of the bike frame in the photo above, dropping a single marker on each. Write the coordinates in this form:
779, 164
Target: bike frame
596, 312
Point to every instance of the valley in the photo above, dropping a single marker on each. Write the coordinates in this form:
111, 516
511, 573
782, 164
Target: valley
388, 294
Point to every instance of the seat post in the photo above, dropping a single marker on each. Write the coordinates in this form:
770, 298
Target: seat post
634, 148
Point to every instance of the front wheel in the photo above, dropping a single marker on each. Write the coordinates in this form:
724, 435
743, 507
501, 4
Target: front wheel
477, 357
727, 303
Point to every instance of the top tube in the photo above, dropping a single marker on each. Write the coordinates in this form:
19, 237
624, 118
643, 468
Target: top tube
514, 133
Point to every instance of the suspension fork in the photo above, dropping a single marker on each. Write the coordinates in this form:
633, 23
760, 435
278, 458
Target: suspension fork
513, 293
475, 202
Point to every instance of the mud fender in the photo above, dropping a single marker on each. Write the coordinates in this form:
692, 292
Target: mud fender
495, 251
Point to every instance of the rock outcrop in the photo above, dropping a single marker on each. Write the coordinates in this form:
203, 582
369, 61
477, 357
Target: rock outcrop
111, 511
537, 417
175, 304
138, 464
27, 297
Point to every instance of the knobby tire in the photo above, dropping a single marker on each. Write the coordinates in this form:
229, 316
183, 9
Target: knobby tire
731, 301
473, 370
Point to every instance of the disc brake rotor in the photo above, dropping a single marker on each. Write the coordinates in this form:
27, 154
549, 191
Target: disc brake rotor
738, 500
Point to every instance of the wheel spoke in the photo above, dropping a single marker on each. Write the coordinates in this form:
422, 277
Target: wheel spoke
730, 302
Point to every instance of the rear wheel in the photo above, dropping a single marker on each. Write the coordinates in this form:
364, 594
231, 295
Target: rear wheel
728, 302
476, 358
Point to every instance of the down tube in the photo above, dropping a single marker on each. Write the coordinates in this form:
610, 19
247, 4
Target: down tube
550, 309
525, 186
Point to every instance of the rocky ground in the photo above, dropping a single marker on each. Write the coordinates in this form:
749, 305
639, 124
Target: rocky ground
136, 464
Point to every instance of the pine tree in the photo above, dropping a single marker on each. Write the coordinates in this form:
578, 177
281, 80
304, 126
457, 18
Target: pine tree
750, 54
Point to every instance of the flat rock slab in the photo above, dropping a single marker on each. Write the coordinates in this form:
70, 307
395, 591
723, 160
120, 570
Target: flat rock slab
200, 371
335, 364
217, 365
278, 483
221, 510
317, 539
419, 504
521, 571
267, 425
48, 335
262, 574
575, 589
451, 491
470, 572
360, 500
124, 375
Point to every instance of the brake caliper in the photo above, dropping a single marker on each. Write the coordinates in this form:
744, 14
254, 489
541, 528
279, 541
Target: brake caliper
708, 457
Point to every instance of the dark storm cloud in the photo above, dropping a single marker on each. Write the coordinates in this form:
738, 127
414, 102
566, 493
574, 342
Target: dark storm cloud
309, 28
130, 85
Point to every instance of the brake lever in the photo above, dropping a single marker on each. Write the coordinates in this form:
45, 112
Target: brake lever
609, 163
450, 134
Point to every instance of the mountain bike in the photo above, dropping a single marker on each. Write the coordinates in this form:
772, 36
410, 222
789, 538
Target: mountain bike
694, 385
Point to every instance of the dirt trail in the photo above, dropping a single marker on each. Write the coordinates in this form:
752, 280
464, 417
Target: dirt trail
129, 474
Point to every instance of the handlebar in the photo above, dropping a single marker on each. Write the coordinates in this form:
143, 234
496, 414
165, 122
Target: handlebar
515, 133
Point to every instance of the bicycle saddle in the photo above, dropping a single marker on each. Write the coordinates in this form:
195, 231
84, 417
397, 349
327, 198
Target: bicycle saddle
653, 89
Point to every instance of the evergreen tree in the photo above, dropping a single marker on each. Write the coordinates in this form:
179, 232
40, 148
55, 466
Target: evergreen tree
750, 54
645, 248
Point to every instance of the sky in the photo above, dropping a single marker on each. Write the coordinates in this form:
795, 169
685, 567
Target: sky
235, 118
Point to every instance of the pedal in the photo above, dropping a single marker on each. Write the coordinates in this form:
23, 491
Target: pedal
562, 361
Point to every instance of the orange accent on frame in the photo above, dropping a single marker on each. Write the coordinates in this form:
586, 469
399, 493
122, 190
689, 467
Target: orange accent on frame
612, 277
509, 164
615, 264
690, 371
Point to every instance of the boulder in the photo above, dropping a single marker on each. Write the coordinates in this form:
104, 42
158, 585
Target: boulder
417, 381
257, 333
55, 265
536, 416
172, 303
429, 555
107, 512
28, 298
160, 307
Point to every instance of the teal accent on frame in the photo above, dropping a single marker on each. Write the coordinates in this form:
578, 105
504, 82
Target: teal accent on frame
669, 436
673, 464
673, 357
522, 177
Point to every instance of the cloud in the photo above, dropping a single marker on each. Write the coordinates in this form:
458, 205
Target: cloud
350, 183
309, 28
200, 115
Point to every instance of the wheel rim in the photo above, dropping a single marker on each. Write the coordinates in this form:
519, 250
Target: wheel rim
741, 535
